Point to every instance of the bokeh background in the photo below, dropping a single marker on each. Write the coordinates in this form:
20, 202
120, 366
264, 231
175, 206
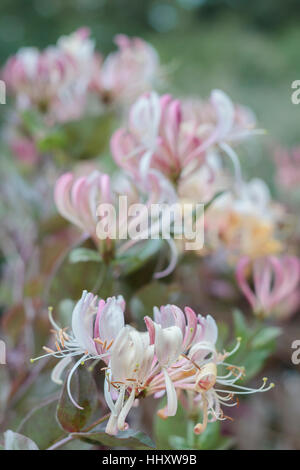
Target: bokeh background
248, 49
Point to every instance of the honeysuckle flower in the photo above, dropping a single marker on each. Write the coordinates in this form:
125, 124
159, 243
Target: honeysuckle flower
245, 222
197, 368
216, 392
275, 279
77, 199
109, 321
180, 145
127, 72
220, 118
78, 45
287, 168
129, 368
84, 202
160, 143
95, 324
54, 81
177, 354
172, 333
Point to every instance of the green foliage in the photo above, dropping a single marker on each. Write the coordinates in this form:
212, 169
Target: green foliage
177, 432
153, 294
257, 344
79, 255
84, 392
137, 256
129, 439
41, 426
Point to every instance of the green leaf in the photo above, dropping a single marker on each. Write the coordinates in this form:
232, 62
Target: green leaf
79, 255
212, 439
41, 426
185, 437
16, 441
241, 328
164, 429
52, 141
265, 336
155, 293
137, 256
33, 122
256, 346
129, 439
84, 392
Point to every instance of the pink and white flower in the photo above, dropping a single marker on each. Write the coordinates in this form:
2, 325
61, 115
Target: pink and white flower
77, 199
129, 368
95, 325
127, 72
275, 279
54, 81
162, 135
177, 354
288, 167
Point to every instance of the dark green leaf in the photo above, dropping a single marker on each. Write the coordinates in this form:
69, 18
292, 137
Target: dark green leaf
84, 392
41, 426
129, 439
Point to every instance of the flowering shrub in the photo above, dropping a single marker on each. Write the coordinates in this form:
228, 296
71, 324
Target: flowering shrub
67, 104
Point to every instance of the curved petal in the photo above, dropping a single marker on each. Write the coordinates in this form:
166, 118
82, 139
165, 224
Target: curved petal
82, 323
58, 370
171, 395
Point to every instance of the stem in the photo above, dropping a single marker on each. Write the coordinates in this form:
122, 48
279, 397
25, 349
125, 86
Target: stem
61, 443
71, 437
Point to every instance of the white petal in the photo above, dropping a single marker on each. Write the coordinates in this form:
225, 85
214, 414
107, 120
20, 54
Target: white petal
82, 323
58, 370
171, 395
111, 320
168, 344
125, 410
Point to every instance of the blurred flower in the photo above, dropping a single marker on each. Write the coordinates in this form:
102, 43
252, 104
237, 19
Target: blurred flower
53, 81
275, 280
77, 199
220, 118
245, 221
81, 200
288, 168
162, 135
128, 72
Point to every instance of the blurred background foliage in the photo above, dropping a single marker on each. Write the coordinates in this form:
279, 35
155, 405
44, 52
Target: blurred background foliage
249, 49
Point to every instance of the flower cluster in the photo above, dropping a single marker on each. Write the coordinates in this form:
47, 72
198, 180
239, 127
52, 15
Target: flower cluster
164, 135
186, 144
71, 80
176, 354
57, 80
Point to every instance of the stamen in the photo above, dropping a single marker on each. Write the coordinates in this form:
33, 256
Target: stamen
48, 350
